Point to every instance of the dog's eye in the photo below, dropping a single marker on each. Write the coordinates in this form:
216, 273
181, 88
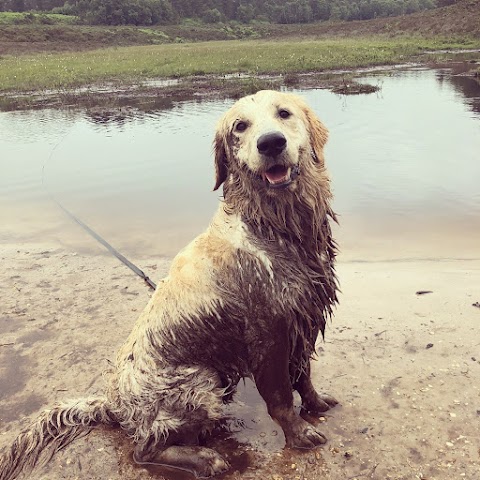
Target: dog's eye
240, 126
284, 113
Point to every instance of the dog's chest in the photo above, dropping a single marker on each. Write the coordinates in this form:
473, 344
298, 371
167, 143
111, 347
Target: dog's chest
281, 279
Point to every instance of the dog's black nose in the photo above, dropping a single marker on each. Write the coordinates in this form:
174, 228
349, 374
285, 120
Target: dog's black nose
272, 143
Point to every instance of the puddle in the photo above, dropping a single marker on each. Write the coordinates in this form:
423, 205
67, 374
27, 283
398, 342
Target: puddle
248, 439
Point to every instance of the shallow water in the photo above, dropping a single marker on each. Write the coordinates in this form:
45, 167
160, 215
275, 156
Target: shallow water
404, 164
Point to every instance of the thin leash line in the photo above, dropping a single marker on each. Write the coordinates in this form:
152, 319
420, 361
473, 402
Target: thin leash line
89, 230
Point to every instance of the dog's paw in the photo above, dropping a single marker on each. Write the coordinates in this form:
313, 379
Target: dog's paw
201, 461
319, 403
209, 463
304, 435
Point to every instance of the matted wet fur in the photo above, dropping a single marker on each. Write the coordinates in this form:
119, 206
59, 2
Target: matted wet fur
247, 298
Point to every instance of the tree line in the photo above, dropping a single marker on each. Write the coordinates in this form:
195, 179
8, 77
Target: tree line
152, 12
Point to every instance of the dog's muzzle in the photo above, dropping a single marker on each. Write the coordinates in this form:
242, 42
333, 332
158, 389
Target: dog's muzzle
270, 145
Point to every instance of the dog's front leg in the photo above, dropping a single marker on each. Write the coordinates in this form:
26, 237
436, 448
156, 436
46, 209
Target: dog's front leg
271, 374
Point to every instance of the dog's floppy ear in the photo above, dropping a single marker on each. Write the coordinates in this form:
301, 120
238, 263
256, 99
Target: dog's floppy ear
318, 134
221, 169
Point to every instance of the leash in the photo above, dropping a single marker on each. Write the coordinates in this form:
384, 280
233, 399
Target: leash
109, 247
94, 234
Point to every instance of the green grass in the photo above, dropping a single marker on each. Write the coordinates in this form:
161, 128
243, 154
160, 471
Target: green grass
133, 64
16, 18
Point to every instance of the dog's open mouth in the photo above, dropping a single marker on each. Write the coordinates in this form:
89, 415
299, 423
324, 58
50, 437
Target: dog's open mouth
278, 176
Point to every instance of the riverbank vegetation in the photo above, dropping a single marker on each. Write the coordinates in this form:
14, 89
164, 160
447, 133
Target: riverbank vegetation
133, 65
41, 53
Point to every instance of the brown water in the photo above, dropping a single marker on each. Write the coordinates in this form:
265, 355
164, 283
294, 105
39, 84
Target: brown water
405, 165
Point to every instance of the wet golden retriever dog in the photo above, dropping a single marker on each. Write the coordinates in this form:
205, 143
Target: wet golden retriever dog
247, 298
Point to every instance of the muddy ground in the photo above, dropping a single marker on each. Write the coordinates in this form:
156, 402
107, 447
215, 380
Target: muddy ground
404, 366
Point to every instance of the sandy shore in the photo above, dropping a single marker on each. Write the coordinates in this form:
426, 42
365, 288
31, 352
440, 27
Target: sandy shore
405, 367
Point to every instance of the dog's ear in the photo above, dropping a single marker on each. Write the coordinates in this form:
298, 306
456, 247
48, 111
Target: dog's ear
318, 135
221, 168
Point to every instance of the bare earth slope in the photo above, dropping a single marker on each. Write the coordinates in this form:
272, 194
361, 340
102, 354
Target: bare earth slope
461, 19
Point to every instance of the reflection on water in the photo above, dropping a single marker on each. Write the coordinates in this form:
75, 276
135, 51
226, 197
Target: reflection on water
468, 87
404, 164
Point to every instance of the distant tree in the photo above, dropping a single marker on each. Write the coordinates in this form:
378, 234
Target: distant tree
245, 13
213, 15
338, 12
296, 11
162, 12
229, 8
412, 6
321, 9
149, 12
187, 8
427, 4
396, 8
18, 5
125, 12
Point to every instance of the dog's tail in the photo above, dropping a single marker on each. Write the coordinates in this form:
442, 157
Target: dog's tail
53, 430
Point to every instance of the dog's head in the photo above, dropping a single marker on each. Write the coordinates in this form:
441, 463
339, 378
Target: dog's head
271, 137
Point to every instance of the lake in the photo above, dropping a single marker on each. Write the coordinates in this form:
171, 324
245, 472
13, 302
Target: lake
405, 167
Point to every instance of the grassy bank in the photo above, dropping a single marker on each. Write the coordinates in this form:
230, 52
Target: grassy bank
130, 65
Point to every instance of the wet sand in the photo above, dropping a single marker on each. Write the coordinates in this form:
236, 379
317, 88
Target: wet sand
405, 368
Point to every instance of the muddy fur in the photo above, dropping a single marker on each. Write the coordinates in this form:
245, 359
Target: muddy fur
247, 298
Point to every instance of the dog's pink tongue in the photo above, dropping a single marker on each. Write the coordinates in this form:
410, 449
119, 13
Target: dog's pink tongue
277, 174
